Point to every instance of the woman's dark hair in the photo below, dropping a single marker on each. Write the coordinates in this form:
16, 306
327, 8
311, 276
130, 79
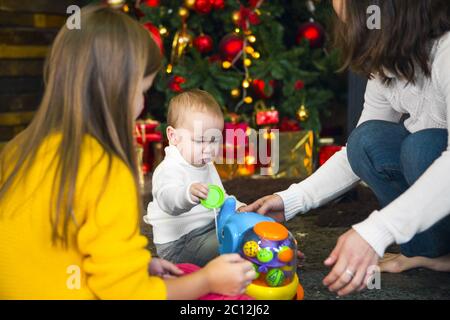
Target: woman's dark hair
402, 45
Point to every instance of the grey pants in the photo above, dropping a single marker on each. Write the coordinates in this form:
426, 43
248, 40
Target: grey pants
197, 247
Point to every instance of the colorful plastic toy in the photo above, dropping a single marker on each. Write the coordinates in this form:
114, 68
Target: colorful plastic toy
268, 245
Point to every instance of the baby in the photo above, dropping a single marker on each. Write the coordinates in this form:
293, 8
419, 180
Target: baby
184, 230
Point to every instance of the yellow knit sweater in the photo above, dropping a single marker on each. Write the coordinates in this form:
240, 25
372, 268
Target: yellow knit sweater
106, 257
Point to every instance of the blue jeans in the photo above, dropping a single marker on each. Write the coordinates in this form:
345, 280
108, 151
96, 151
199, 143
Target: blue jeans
390, 159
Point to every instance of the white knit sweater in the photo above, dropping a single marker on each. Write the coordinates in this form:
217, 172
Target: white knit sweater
172, 213
425, 202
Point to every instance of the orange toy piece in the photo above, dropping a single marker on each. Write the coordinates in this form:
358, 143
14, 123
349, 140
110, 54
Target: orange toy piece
271, 231
286, 255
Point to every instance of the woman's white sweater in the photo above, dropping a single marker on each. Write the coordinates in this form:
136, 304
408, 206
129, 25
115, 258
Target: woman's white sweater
425, 202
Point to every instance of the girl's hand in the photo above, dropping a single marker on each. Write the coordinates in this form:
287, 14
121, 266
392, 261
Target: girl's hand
163, 268
353, 260
198, 191
229, 274
271, 206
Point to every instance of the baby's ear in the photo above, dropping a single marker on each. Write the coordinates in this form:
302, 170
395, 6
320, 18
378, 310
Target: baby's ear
172, 135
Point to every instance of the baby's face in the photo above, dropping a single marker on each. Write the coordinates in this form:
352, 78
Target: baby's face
199, 137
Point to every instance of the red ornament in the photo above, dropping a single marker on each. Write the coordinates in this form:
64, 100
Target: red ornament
154, 31
299, 85
313, 32
203, 6
175, 83
218, 4
260, 90
203, 43
230, 46
253, 18
152, 3
247, 17
267, 117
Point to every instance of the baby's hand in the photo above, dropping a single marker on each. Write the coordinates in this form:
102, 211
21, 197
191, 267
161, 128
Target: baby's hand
198, 191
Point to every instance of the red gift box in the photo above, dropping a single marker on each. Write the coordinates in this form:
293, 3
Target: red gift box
289, 125
232, 139
326, 152
147, 137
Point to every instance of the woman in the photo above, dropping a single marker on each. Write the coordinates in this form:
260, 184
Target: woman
407, 165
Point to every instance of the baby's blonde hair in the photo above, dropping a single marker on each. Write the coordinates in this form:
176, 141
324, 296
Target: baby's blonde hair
189, 101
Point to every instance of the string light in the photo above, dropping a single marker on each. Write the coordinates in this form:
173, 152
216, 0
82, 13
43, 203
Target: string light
169, 68
163, 31
235, 93
226, 64
249, 50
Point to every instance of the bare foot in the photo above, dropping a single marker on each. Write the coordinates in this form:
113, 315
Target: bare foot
396, 263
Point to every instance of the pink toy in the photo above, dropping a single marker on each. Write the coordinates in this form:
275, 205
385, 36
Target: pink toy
191, 268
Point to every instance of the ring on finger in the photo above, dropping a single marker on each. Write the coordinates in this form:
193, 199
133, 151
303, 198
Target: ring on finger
350, 273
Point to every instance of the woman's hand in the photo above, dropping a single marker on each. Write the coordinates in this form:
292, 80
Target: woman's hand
229, 274
353, 260
271, 206
163, 268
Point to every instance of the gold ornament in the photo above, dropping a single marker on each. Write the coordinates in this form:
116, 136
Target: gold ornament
247, 62
183, 12
302, 113
235, 93
189, 3
181, 41
246, 84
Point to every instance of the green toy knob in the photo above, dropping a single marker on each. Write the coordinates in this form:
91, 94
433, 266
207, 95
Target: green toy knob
215, 199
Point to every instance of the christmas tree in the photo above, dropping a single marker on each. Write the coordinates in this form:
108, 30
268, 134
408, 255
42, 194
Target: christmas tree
253, 56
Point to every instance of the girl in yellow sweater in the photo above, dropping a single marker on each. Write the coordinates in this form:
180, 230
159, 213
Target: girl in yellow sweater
69, 202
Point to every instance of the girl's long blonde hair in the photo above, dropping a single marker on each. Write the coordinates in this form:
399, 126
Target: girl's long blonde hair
91, 79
